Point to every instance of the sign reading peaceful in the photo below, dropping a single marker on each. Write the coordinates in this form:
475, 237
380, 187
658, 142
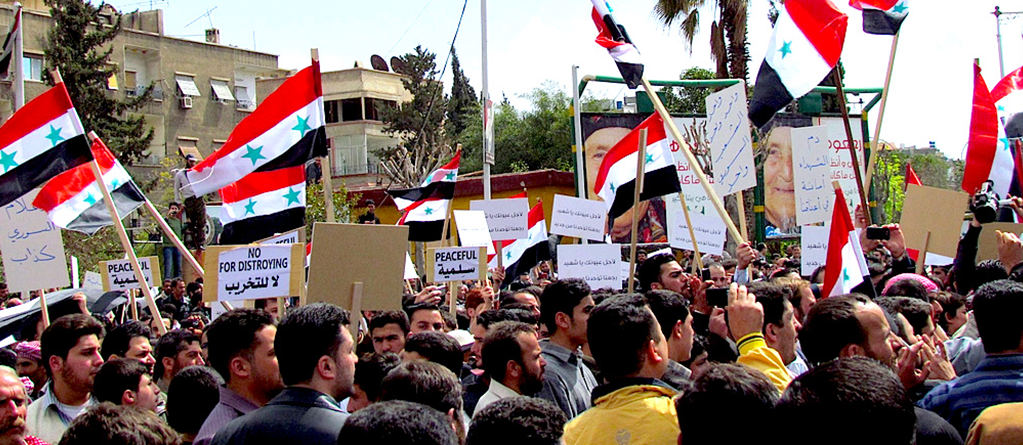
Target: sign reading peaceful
579, 218
597, 264
709, 230
507, 219
119, 275
473, 230
33, 251
811, 172
731, 147
813, 243
253, 272
457, 264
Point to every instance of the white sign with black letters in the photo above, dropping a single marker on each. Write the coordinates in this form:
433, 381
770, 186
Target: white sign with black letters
457, 263
249, 273
119, 275
579, 218
507, 219
598, 264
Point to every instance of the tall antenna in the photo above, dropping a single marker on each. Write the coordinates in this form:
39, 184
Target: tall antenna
207, 14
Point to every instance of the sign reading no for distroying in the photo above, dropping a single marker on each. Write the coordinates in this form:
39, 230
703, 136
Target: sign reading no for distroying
254, 272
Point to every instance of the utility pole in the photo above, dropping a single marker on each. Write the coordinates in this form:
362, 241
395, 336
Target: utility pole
488, 109
998, 33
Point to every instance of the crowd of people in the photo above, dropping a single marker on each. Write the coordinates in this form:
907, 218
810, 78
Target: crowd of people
744, 351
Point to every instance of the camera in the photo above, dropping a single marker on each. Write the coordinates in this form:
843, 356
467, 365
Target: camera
985, 203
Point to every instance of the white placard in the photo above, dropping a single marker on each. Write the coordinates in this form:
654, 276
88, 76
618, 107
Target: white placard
120, 275
410, 268
813, 248
507, 219
841, 162
33, 251
933, 259
811, 174
731, 146
579, 218
456, 264
709, 230
290, 237
255, 272
75, 281
598, 264
473, 229
92, 280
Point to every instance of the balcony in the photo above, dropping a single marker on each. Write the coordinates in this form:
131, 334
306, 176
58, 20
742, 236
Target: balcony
356, 169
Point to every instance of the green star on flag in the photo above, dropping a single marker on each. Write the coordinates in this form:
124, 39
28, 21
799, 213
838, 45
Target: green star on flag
250, 207
54, 135
612, 187
90, 200
428, 211
7, 160
649, 158
450, 176
845, 276
900, 8
291, 196
507, 255
303, 126
786, 49
253, 154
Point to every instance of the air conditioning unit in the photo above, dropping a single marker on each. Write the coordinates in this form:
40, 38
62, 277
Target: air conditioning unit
186, 102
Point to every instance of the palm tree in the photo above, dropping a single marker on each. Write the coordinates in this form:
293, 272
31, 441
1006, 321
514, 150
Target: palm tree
728, 44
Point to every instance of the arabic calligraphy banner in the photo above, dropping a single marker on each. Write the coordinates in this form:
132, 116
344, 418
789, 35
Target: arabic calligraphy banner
811, 169
597, 264
118, 275
456, 264
32, 248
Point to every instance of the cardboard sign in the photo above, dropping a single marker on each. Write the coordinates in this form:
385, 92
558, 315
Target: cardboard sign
344, 254
473, 230
811, 171
456, 264
709, 231
33, 251
579, 218
934, 210
93, 280
813, 244
119, 275
731, 146
988, 249
253, 272
598, 264
507, 219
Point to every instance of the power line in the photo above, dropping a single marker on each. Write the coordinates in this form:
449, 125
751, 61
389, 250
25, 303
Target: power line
410, 27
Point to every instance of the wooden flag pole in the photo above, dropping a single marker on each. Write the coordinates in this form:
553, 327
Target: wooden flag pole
356, 314
922, 260
714, 198
44, 311
692, 233
640, 175
875, 143
837, 77
134, 308
326, 171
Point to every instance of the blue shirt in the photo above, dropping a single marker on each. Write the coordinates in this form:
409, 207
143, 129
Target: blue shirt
566, 380
997, 379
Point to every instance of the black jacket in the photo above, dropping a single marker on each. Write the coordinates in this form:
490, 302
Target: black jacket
296, 416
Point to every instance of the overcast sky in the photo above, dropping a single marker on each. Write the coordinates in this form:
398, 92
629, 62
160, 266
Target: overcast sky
531, 41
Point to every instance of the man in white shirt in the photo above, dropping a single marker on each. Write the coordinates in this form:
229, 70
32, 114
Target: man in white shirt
513, 359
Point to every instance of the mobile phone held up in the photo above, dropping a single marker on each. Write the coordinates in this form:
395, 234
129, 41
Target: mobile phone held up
717, 297
879, 233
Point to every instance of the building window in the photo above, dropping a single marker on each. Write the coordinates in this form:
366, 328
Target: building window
331, 113
186, 84
112, 82
245, 101
33, 67
374, 106
221, 91
189, 146
351, 109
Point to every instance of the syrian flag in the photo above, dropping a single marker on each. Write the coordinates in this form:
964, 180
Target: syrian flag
10, 43
882, 16
804, 48
439, 184
286, 130
1008, 98
40, 141
613, 37
263, 204
987, 154
521, 255
73, 200
425, 219
616, 180
845, 264
911, 177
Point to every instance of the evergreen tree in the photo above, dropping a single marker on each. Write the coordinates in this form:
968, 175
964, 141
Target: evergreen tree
75, 47
689, 100
463, 106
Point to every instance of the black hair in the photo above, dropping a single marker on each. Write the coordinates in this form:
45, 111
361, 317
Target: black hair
519, 312
423, 382
849, 391
233, 334
489, 318
772, 296
191, 396
917, 312
619, 330
8, 358
117, 376
385, 318
650, 271
668, 307
517, 421
997, 306
561, 296
118, 339
170, 345
907, 287
411, 310
950, 304
726, 387
111, 424
63, 334
371, 370
832, 325
501, 344
437, 347
397, 423
304, 335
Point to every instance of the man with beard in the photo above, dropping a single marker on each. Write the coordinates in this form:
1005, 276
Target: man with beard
70, 352
514, 361
13, 406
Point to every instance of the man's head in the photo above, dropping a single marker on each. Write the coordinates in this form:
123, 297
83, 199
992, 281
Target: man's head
388, 330
489, 318
174, 209
849, 400
725, 388
70, 351
436, 347
424, 318
129, 340
368, 373
123, 381
780, 324
371, 206
564, 308
718, 275
177, 350
192, 395
111, 424
626, 340
662, 272
178, 289
517, 421
166, 286
428, 383
801, 295
529, 299
675, 320
916, 314
29, 362
513, 357
241, 349
997, 306
848, 325
315, 347
398, 423
13, 408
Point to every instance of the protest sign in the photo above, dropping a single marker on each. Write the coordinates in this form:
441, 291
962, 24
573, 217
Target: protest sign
119, 275
710, 233
456, 264
579, 218
988, 248
253, 272
410, 268
33, 251
345, 254
597, 264
296, 236
507, 219
75, 282
934, 210
728, 135
473, 230
810, 172
813, 243
93, 280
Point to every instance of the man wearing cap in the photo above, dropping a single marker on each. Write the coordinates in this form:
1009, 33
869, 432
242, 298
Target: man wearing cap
370, 217
29, 365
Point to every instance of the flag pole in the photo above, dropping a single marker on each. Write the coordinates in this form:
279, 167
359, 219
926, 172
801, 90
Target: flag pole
714, 199
875, 143
640, 175
123, 235
326, 172
44, 311
19, 51
837, 77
